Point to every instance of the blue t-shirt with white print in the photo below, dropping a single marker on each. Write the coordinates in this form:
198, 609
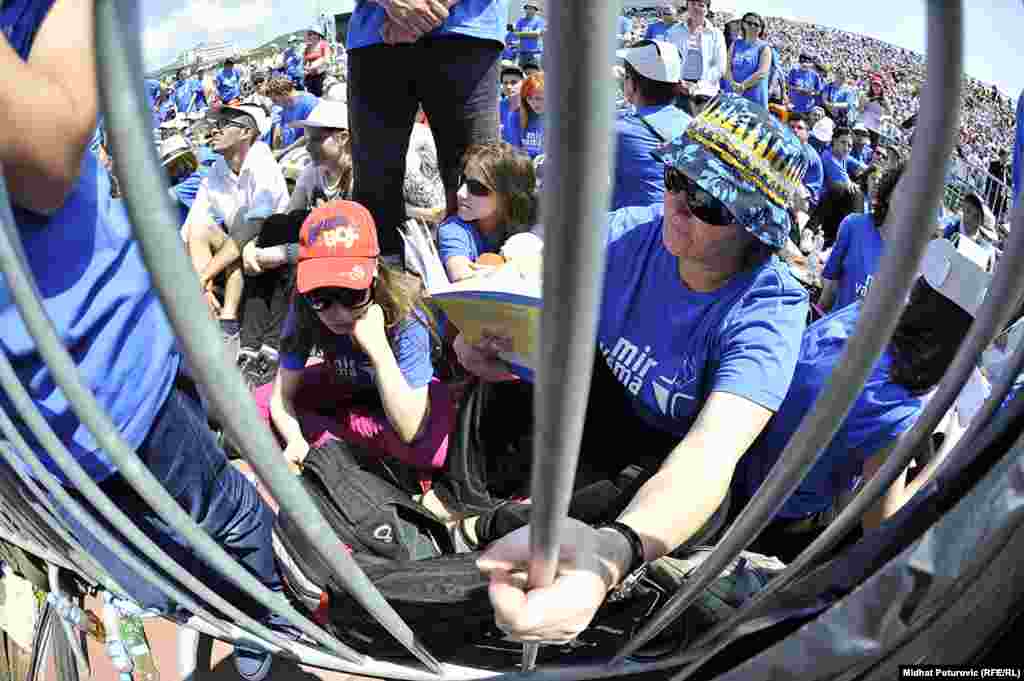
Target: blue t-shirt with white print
97, 292
884, 410
229, 85
409, 341
531, 140
528, 25
808, 80
484, 19
639, 179
671, 347
839, 171
854, 258
458, 237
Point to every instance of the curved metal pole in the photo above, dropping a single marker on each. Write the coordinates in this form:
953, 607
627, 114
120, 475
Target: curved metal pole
575, 205
897, 273
119, 69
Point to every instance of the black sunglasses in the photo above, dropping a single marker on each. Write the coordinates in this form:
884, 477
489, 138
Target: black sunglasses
475, 187
702, 204
219, 125
755, 24
354, 299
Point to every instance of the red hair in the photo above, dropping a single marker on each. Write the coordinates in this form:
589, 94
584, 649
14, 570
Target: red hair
532, 86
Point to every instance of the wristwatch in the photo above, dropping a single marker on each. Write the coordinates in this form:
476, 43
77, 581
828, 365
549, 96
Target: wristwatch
637, 565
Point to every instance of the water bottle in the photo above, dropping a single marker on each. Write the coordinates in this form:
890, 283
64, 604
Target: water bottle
116, 649
133, 635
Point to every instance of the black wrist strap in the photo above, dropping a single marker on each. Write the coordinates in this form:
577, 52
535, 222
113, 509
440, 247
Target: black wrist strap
636, 546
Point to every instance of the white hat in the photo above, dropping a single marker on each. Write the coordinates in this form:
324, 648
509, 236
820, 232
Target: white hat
254, 111
860, 127
326, 114
954, 275
174, 148
823, 130
656, 60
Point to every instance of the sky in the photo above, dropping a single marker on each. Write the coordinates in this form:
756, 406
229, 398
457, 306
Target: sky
992, 29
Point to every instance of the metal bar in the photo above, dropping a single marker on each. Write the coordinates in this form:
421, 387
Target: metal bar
118, 53
74, 640
65, 374
579, 158
16, 393
897, 273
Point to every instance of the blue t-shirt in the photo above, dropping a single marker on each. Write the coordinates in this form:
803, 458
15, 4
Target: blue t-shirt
671, 347
746, 57
531, 140
503, 109
815, 176
883, 411
229, 85
839, 171
100, 298
808, 80
511, 46
1018, 150
458, 237
854, 258
864, 155
409, 340
534, 25
184, 92
298, 110
840, 94
485, 19
186, 190
294, 61
639, 179
656, 31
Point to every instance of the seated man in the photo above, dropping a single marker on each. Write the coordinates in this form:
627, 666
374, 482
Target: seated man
839, 166
295, 106
244, 187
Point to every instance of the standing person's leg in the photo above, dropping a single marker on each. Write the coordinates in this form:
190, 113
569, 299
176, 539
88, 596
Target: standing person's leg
382, 108
180, 451
458, 85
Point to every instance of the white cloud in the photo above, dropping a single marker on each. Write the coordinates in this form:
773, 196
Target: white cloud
200, 21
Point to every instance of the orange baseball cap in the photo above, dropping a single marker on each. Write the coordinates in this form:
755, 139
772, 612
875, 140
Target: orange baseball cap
337, 248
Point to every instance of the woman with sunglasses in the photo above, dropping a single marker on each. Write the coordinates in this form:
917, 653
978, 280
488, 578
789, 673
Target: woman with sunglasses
497, 199
376, 385
750, 61
524, 128
699, 332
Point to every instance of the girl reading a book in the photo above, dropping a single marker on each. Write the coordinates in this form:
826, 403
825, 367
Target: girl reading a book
698, 339
376, 385
497, 199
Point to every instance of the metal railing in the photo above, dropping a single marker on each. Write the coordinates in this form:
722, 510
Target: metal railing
575, 194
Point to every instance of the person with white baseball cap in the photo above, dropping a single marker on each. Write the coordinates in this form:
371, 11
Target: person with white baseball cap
653, 70
941, 308
244, 187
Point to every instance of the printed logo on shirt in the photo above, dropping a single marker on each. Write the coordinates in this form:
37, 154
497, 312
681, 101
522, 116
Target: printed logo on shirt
864, 286
352, 369
628, 363
533, 139
669, 391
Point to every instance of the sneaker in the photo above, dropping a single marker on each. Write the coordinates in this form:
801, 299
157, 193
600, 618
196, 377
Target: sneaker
253, 665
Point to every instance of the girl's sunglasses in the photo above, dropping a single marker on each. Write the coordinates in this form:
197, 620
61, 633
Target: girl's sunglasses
702, 204
475, 187
322, 299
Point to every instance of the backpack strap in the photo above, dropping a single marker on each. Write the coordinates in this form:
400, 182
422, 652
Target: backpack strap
654, 130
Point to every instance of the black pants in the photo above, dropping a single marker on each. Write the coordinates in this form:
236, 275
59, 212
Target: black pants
315, 84
264, 306
454, 79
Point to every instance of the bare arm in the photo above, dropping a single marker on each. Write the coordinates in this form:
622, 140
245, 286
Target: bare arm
764, 66
698, 471
49, 106
828, 294
282, 414
458, 268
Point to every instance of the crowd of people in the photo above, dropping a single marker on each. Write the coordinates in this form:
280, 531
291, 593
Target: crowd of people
712, 337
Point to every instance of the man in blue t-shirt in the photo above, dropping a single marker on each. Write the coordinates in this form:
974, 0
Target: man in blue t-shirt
840, 101
511, 51
651, 73
188, 93
804, 85
229, 83
814, 178
658, 29
294, 64
861, 149
511, 78
530, 30
294, 106
840, 167
859, 246
103, 306
448, 64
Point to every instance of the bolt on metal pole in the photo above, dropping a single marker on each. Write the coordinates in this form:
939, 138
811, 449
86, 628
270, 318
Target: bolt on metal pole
897, 274
578, 164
